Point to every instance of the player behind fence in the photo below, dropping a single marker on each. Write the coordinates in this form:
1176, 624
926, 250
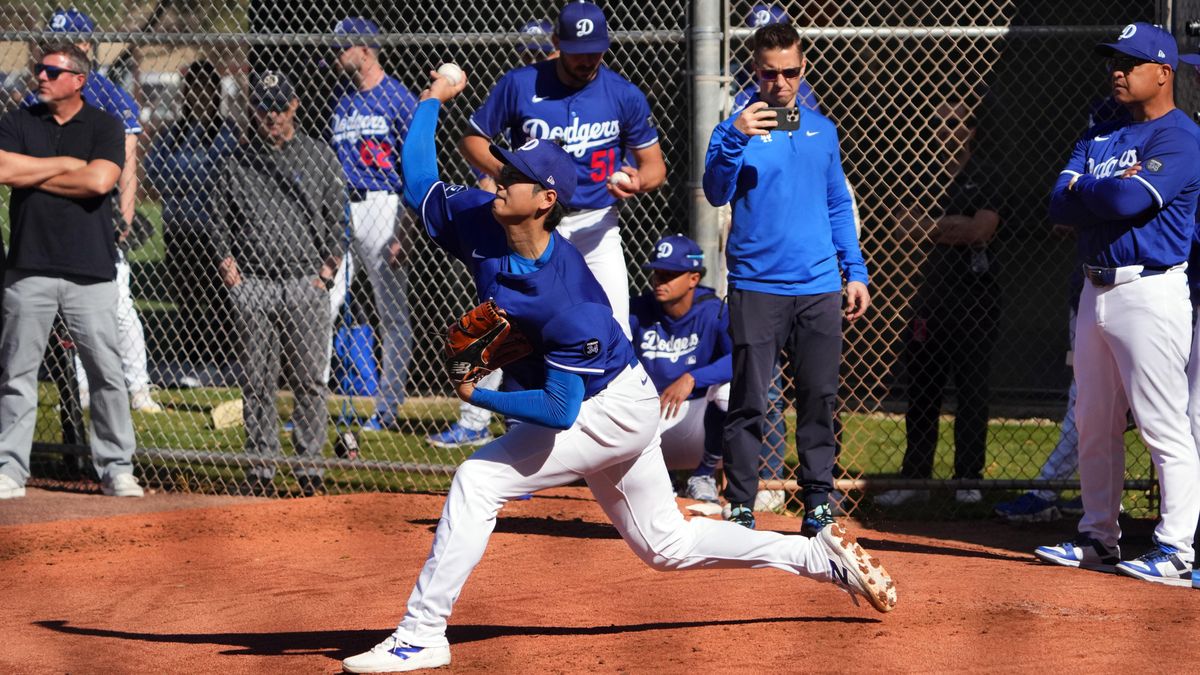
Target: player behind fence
587, 407
681, 336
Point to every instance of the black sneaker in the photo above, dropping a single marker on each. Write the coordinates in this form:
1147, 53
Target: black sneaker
256, 486
311, 486
816, 520
742, 515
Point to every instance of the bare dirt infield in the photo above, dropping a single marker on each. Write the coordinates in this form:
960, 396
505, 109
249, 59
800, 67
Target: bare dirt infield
256, 586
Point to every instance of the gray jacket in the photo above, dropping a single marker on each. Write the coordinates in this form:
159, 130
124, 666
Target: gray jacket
279, 212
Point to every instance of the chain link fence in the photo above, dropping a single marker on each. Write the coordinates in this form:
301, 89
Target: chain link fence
913, 86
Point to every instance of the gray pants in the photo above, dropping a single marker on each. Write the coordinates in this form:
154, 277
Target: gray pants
288, 319
89, 310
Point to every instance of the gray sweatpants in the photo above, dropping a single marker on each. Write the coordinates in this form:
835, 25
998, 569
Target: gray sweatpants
282, 322
90, 312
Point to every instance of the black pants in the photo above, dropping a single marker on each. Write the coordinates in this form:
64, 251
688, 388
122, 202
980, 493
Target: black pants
950, 338
203, 327
761, 324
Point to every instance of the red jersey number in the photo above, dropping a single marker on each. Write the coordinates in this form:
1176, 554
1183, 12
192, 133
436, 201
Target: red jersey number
604, 164
376, 154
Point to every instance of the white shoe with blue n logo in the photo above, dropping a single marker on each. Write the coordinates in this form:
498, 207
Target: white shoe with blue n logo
395, 656
1160, 565
854, 571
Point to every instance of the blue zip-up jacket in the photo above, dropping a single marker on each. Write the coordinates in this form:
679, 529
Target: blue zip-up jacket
793, 219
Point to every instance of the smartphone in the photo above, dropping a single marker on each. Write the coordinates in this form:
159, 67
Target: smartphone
788, 118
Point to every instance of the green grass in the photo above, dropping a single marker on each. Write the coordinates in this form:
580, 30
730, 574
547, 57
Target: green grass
872, 446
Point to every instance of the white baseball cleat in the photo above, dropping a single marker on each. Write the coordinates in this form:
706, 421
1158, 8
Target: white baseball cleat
395, 656
853, 570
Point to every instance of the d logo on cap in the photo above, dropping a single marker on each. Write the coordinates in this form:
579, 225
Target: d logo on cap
665, 249
58, 22
584, 27
1128, 32
529, 144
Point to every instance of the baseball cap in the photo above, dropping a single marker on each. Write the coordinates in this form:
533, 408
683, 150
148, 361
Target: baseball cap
544, 162
676, 253
357, 25
765, 15
538, 32
71, 21
582, 29
271, 91
1143, 41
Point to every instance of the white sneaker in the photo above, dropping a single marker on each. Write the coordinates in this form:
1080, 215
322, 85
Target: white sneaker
394, 656
770, 500
898, 497
702, 488
968, 496
854, 571
121, 485
9, 488
142, 401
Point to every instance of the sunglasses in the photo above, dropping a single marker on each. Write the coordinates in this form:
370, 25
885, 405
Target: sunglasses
52, 72
770, 73
1124, 63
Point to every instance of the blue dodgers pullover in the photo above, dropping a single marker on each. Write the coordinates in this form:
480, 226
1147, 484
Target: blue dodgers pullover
793, 220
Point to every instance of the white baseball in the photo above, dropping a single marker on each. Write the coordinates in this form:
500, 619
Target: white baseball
451, 72
620, 178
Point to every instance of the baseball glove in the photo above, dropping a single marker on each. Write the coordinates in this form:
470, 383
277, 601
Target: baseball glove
481, 341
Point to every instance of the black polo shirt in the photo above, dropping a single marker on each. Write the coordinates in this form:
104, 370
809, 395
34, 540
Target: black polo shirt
53, 235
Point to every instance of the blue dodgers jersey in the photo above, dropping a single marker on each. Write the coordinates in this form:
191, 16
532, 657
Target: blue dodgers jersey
366, 132
102, 93
668, 347
559, 307
596, 124
1169, 152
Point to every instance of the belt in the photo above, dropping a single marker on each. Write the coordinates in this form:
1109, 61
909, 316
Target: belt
1103, 277
361, 194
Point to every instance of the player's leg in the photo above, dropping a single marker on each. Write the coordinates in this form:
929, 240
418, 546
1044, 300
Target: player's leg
526, 459
1100, 417
87, 312
30, 305
1151, 343
815, 343
375, 222
597, 236
636, 495
758, 323
255, 304
304, 328
683, 436
132, 343
338, 297
971, 360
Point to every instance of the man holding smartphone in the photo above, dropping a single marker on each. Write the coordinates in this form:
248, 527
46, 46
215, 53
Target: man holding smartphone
792, 244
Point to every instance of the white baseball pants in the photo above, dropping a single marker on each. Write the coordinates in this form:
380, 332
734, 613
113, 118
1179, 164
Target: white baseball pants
613, 445
373, 222
1132, 343
131, 337
596, 235
683, 434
